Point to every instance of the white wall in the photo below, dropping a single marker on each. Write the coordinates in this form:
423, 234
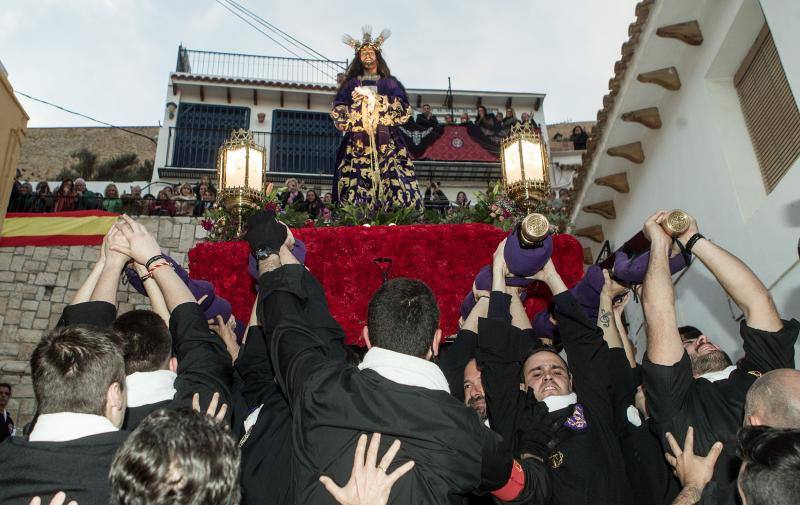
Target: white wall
701, 160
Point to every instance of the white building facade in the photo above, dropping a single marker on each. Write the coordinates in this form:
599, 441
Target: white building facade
285, 102
702, 116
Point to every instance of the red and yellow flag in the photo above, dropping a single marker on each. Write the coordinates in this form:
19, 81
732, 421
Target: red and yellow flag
82, 227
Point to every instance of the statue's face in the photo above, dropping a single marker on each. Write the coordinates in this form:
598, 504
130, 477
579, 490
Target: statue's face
367, 56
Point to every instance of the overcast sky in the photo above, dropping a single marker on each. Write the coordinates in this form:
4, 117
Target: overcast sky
111, 58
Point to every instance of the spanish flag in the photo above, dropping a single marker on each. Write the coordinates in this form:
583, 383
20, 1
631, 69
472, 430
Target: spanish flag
82, 227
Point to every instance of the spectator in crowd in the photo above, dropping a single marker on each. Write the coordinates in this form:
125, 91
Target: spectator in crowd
395, 387
208, 201
579, 138
511, 118
147, 201
204, 183
690, 381
498, 120
179, 470
163, 205
111, 200
132, 203
527, 118
483, 119
185, 200
448, 120
6, 423
464, 119
311, 204
427, 118
42, 200
462, 201
292, 196
64, 197
21, 201
435, 197
15, 190
327, 199
84, 198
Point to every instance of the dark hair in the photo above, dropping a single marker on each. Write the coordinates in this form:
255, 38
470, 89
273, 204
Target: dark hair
578, 128
771, 465
536, 349
356, 68
72, 368
403, 316
6, 385
176, 457
146, 342
689, 332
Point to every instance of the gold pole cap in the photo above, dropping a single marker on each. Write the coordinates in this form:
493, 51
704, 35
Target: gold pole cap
677, 222
534, 228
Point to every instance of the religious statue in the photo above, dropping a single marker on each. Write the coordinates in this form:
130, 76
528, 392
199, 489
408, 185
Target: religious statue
373, 167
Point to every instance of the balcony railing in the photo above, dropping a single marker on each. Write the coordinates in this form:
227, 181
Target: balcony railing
196, 148
249, 66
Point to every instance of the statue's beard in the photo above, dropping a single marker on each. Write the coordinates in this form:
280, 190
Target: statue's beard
713, 361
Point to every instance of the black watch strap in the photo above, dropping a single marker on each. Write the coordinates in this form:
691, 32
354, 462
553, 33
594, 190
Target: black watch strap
264, 253
692, 241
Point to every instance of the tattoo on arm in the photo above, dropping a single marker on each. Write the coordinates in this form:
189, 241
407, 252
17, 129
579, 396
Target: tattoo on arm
605, 318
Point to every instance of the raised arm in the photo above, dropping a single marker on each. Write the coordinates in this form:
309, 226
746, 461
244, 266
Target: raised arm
154, 294
618, 308
204, 365
741, 284
664, 345
605, 312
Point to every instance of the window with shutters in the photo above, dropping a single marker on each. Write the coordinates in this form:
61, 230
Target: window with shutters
770, 109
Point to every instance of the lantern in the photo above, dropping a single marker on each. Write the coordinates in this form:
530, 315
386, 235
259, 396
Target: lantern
241, 168
526, 169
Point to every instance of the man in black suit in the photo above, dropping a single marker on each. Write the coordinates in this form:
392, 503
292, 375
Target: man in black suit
6, 423
396, 390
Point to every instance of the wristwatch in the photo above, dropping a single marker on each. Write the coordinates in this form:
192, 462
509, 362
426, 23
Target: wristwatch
264, 253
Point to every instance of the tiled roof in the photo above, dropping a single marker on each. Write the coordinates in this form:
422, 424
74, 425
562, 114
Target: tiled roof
252, 82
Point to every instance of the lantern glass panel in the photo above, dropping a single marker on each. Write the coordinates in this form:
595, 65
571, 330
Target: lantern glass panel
511, 163
532, 156
237, 164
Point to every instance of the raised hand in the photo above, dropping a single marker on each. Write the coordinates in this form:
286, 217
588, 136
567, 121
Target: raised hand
692, 470
226, 333
141, 244
369, 483
58, 499
611, 288
652, 228
211, 411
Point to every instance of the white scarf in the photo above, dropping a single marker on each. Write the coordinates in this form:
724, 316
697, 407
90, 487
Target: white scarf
719, 375
558, 402
145, 388
65, 426
404, 369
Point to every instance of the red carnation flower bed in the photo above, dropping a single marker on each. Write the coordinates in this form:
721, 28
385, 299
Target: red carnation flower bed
445, 257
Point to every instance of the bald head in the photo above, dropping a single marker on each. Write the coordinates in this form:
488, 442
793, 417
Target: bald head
774, 400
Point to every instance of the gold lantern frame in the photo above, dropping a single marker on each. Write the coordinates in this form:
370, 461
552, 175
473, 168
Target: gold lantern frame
525, 192
238, 199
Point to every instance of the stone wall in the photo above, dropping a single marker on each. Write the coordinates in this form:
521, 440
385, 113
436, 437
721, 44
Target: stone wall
36, 283
46, 151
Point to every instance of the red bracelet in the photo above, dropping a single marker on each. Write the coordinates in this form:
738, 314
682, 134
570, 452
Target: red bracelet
514, 486
149, 273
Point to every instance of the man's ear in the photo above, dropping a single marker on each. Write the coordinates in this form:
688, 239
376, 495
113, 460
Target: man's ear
365, 336
437, 339
173, 365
